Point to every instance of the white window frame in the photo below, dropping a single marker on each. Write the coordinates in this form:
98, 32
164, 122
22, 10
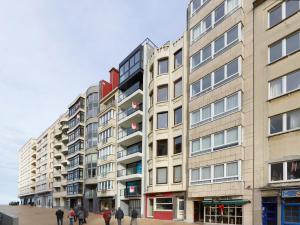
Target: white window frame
194, 11
284, 180
163, 210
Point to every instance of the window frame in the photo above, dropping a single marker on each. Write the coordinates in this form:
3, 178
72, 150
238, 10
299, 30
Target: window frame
284, 172
157, 168
176, 166
158, 66
176, 123
167, 120
174, 145
160, 87
179, 51
176, 82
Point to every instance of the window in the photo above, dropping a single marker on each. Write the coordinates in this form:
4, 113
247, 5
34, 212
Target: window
163, 66
285, 84
219, 45
177, 174
283, 11
104, 152
285, 122
162, 93
130, 66
162, 147
197, 4
178, 88
177, 144
219, 76
285, 171
161, 175
220, 108
178, 115
92, 105
232, 214
92, 135
162, 120
213, 18
150, 177
178, 59
284, 47
164, 204
216, 173
103, 120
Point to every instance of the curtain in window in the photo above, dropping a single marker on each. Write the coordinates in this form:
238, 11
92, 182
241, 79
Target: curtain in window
206, 143
195, 175
232, 135
205, 173
293, 119
232, 102
232, 169
231, 4
219, 171
219, 139
275, 88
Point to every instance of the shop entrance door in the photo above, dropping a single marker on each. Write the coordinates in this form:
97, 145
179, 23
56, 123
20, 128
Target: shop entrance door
150, 207
269, 213
180, 208
291, 211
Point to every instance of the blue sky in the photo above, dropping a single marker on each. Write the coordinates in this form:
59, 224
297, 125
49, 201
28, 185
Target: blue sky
51, 50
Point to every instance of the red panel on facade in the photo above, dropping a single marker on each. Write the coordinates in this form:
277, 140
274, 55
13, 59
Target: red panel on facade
163, 215
114, 78
107, 87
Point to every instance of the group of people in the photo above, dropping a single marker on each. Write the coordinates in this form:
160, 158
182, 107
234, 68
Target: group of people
80, 214
74, 214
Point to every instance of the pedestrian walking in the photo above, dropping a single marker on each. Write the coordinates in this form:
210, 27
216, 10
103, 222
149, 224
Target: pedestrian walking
71, 216
86, 214
119, 215
107, 216
59, 216
134, 215
80, 216
76, 209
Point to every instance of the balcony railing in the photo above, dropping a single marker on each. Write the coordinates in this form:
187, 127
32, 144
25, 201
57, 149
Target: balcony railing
129, 171
90, 193
130, 151
129, 91
105, 107
129, 111
127, 131
134, 191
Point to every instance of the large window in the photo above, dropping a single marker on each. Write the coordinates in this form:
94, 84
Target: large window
178, 88
216, 173
283, 11
162, 120
162, 93
284, 122
284, 47
213, 18
232, 214
92, 133
163, 66
216, 47
91, 165
163, 204
178, 145
285, 84
218, 109
196, 5
106, 134
177, 174
103, 120
178, 59
217, 141
150, 177
130, 66
103, 170
105, 185
162, 147
105, 152
218, 77
161, 175
178, 116
92, 105
285, 171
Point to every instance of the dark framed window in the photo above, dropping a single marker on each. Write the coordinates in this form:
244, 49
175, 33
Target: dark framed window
161, 175
162, 93
162, 120
178, 59
150, 176
178, 88
162, 147
177, 174
177, 144
178, 115
163, 66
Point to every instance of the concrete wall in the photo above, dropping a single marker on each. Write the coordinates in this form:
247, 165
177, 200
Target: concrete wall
8, 219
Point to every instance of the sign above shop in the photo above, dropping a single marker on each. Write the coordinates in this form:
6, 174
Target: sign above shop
290, 193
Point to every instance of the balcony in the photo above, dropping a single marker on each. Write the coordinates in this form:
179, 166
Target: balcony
57, 173
131, 192
130, 155
57, 164
65, 127
129, 136
64, 151
58, 133
129, 174
56, 184
57, 154
133, 93
130, 114
65, 139
57, 145
64, 182
105, 107
90, 193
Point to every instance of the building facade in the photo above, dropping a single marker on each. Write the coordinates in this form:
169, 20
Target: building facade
166, 149
221, 112
277, 112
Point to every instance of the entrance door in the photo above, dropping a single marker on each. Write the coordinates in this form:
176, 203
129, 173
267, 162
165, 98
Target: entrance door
269, 213
180, 208
135, 204
150, 207
291, 211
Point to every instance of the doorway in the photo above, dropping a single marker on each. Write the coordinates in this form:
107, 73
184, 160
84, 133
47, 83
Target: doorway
150, 207
180, 208
198, 211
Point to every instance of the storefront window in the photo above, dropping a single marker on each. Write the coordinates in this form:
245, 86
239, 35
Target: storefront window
164, 204
223, 214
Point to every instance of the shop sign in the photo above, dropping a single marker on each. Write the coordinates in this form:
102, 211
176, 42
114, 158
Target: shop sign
290, 193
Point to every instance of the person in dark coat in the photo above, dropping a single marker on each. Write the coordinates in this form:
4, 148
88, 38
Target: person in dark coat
107, 216
80, 216
86, 214
59, 216
76, 210
119, 215
134, 216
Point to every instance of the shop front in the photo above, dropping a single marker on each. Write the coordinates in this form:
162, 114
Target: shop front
165, 206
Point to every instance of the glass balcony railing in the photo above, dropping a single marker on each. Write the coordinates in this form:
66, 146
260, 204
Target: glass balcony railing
129, 111
129, 151
129, 171
127, 131
133, 191
129, 91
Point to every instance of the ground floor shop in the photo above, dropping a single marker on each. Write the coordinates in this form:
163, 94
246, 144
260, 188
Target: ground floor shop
127, 205
44, 200
219, 210
281, 207
27, 200
165, 206
106, 202
59, 202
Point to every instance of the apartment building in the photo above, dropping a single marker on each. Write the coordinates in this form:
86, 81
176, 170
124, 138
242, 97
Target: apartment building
44, 168
132, 128
60, 161
220, 160
27, 172
277, 112
167, 144
75, 156
107, 156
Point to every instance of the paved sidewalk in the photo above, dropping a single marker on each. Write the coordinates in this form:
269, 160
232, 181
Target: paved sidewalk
41, 216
